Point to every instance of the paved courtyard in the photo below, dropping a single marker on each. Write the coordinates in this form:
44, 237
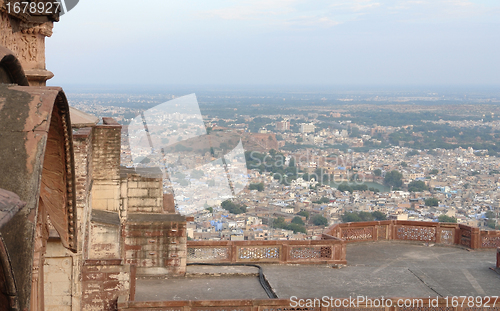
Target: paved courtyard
389, 269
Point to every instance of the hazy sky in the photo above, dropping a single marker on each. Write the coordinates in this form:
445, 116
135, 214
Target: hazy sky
377, 42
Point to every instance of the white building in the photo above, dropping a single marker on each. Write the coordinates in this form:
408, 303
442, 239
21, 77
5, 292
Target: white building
307, 127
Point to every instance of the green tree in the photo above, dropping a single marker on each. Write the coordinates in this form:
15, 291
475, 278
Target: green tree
417, 186
434, 172
233, 208
296, 228
319, 220
363, 216
492, 224
404, 164
444, 218
431, 202
393, 179
379, 215
297, 220
322, 200
258, 186
210, 209
280, 223
304, 213
377, 172
344, 188
351, 217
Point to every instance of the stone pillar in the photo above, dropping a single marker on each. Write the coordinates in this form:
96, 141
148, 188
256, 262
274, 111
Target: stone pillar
475, 239
106, 150
438, 233
26, 39
82, 146
498, 258
168, 203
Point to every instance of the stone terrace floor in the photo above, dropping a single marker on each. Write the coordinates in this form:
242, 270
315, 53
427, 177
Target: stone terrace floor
389, 269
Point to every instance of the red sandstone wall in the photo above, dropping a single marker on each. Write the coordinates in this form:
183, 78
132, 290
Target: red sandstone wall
106, 150
432, 232
156, 245
168, 203
103, 281
327, 250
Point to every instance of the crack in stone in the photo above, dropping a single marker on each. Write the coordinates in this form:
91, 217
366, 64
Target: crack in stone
423, 282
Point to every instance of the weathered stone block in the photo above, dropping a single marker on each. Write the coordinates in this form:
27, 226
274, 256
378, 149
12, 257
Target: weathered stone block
91, 287
58, 277
156, 193
138, 193
100, 204
132, 184
61, 288
94, 276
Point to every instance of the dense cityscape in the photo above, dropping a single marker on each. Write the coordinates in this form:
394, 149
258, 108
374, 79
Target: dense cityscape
409, 158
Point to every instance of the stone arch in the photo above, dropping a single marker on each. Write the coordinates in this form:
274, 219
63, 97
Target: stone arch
56, 207
9, 206
11, 71
8, 291
37, 165
58, 174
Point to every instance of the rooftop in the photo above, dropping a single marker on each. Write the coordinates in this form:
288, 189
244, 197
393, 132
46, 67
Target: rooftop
389, 269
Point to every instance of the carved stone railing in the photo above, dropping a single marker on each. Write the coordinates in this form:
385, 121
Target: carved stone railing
420, 231
331, 247
315, 304
327, 250
490, 239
